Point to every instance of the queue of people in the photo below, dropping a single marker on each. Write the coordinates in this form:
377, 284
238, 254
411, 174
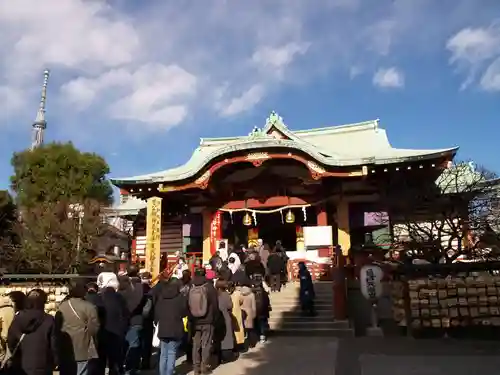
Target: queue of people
211, 316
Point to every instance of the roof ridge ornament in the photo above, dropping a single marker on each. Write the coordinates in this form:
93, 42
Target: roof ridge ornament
256, 133
274, 119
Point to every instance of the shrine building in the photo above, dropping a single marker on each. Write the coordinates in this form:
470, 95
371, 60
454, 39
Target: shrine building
270, 184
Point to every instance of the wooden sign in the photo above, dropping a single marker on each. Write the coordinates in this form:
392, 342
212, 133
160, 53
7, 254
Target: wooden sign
153, 236
215, 231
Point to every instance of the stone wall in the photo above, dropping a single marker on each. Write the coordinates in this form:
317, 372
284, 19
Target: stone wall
56, 292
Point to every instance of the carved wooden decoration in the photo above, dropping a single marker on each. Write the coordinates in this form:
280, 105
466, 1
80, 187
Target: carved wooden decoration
257, 159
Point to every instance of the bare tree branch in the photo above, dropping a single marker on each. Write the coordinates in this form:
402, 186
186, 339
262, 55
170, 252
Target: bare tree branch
440, 221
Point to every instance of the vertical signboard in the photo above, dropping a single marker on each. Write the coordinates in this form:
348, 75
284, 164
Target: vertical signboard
215, 231
153, 236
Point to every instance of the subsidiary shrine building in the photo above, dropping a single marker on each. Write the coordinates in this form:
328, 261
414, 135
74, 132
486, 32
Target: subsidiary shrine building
270, 184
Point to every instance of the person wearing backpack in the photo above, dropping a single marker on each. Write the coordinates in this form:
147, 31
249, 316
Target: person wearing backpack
203, 314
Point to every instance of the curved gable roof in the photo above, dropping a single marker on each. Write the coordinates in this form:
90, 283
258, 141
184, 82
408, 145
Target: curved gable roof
357, 144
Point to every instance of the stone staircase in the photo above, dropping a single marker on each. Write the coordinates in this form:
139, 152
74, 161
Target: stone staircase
286, 318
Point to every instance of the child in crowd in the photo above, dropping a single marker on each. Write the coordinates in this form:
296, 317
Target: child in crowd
262, 309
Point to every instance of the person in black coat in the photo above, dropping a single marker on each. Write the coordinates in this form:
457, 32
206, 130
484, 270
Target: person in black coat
170, 307
254, 266
114, 328
132, 290
240, 277
95, 298
202, 328
274, 268
147, 326
32, 338
262, 309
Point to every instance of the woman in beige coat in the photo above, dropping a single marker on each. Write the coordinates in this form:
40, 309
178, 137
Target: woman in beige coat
249, 311
10, 305
239, 330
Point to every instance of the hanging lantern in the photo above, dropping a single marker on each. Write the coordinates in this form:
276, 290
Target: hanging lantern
247, 220
290, 217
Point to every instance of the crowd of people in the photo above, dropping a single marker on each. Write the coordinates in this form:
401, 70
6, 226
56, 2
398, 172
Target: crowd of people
116, 322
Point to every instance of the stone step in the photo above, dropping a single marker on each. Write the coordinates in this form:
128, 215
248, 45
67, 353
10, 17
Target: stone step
312, 322
297, 313
296, 306
291, 301
305, 319
311, 331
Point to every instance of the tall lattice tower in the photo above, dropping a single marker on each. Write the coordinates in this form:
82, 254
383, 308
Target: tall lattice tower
40, 124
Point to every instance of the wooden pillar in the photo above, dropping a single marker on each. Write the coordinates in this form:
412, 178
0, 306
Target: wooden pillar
299, 238
321, 216
343, 232
133, 250
207, 229
339, 276
322, 221
153, 236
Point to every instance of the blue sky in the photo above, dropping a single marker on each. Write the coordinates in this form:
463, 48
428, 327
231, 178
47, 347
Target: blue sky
141, 82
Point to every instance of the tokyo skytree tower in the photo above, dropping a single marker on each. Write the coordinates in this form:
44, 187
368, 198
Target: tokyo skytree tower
40, 124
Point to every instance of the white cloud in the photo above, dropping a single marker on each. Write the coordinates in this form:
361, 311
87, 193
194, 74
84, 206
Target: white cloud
160, 61
476, 51
279, 57
154, 93
271, 64
71, 33
490, 81
244, 102
389, 78
11, 99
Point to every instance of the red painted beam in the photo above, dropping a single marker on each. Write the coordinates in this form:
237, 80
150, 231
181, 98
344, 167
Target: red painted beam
264, 203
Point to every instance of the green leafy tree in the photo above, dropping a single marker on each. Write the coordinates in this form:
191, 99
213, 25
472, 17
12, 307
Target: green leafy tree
8, 237
47, 181
59, 171
55, 241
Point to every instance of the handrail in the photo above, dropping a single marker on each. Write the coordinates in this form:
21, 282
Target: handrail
167, 273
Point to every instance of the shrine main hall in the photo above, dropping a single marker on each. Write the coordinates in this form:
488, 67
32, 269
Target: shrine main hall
269, 185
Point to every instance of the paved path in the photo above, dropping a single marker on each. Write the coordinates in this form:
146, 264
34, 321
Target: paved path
363, 356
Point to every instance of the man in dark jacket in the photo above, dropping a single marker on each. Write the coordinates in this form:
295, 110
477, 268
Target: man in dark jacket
95, 298
113, 328
203, 327
132, 290
147, 326
274, 268
170, 307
